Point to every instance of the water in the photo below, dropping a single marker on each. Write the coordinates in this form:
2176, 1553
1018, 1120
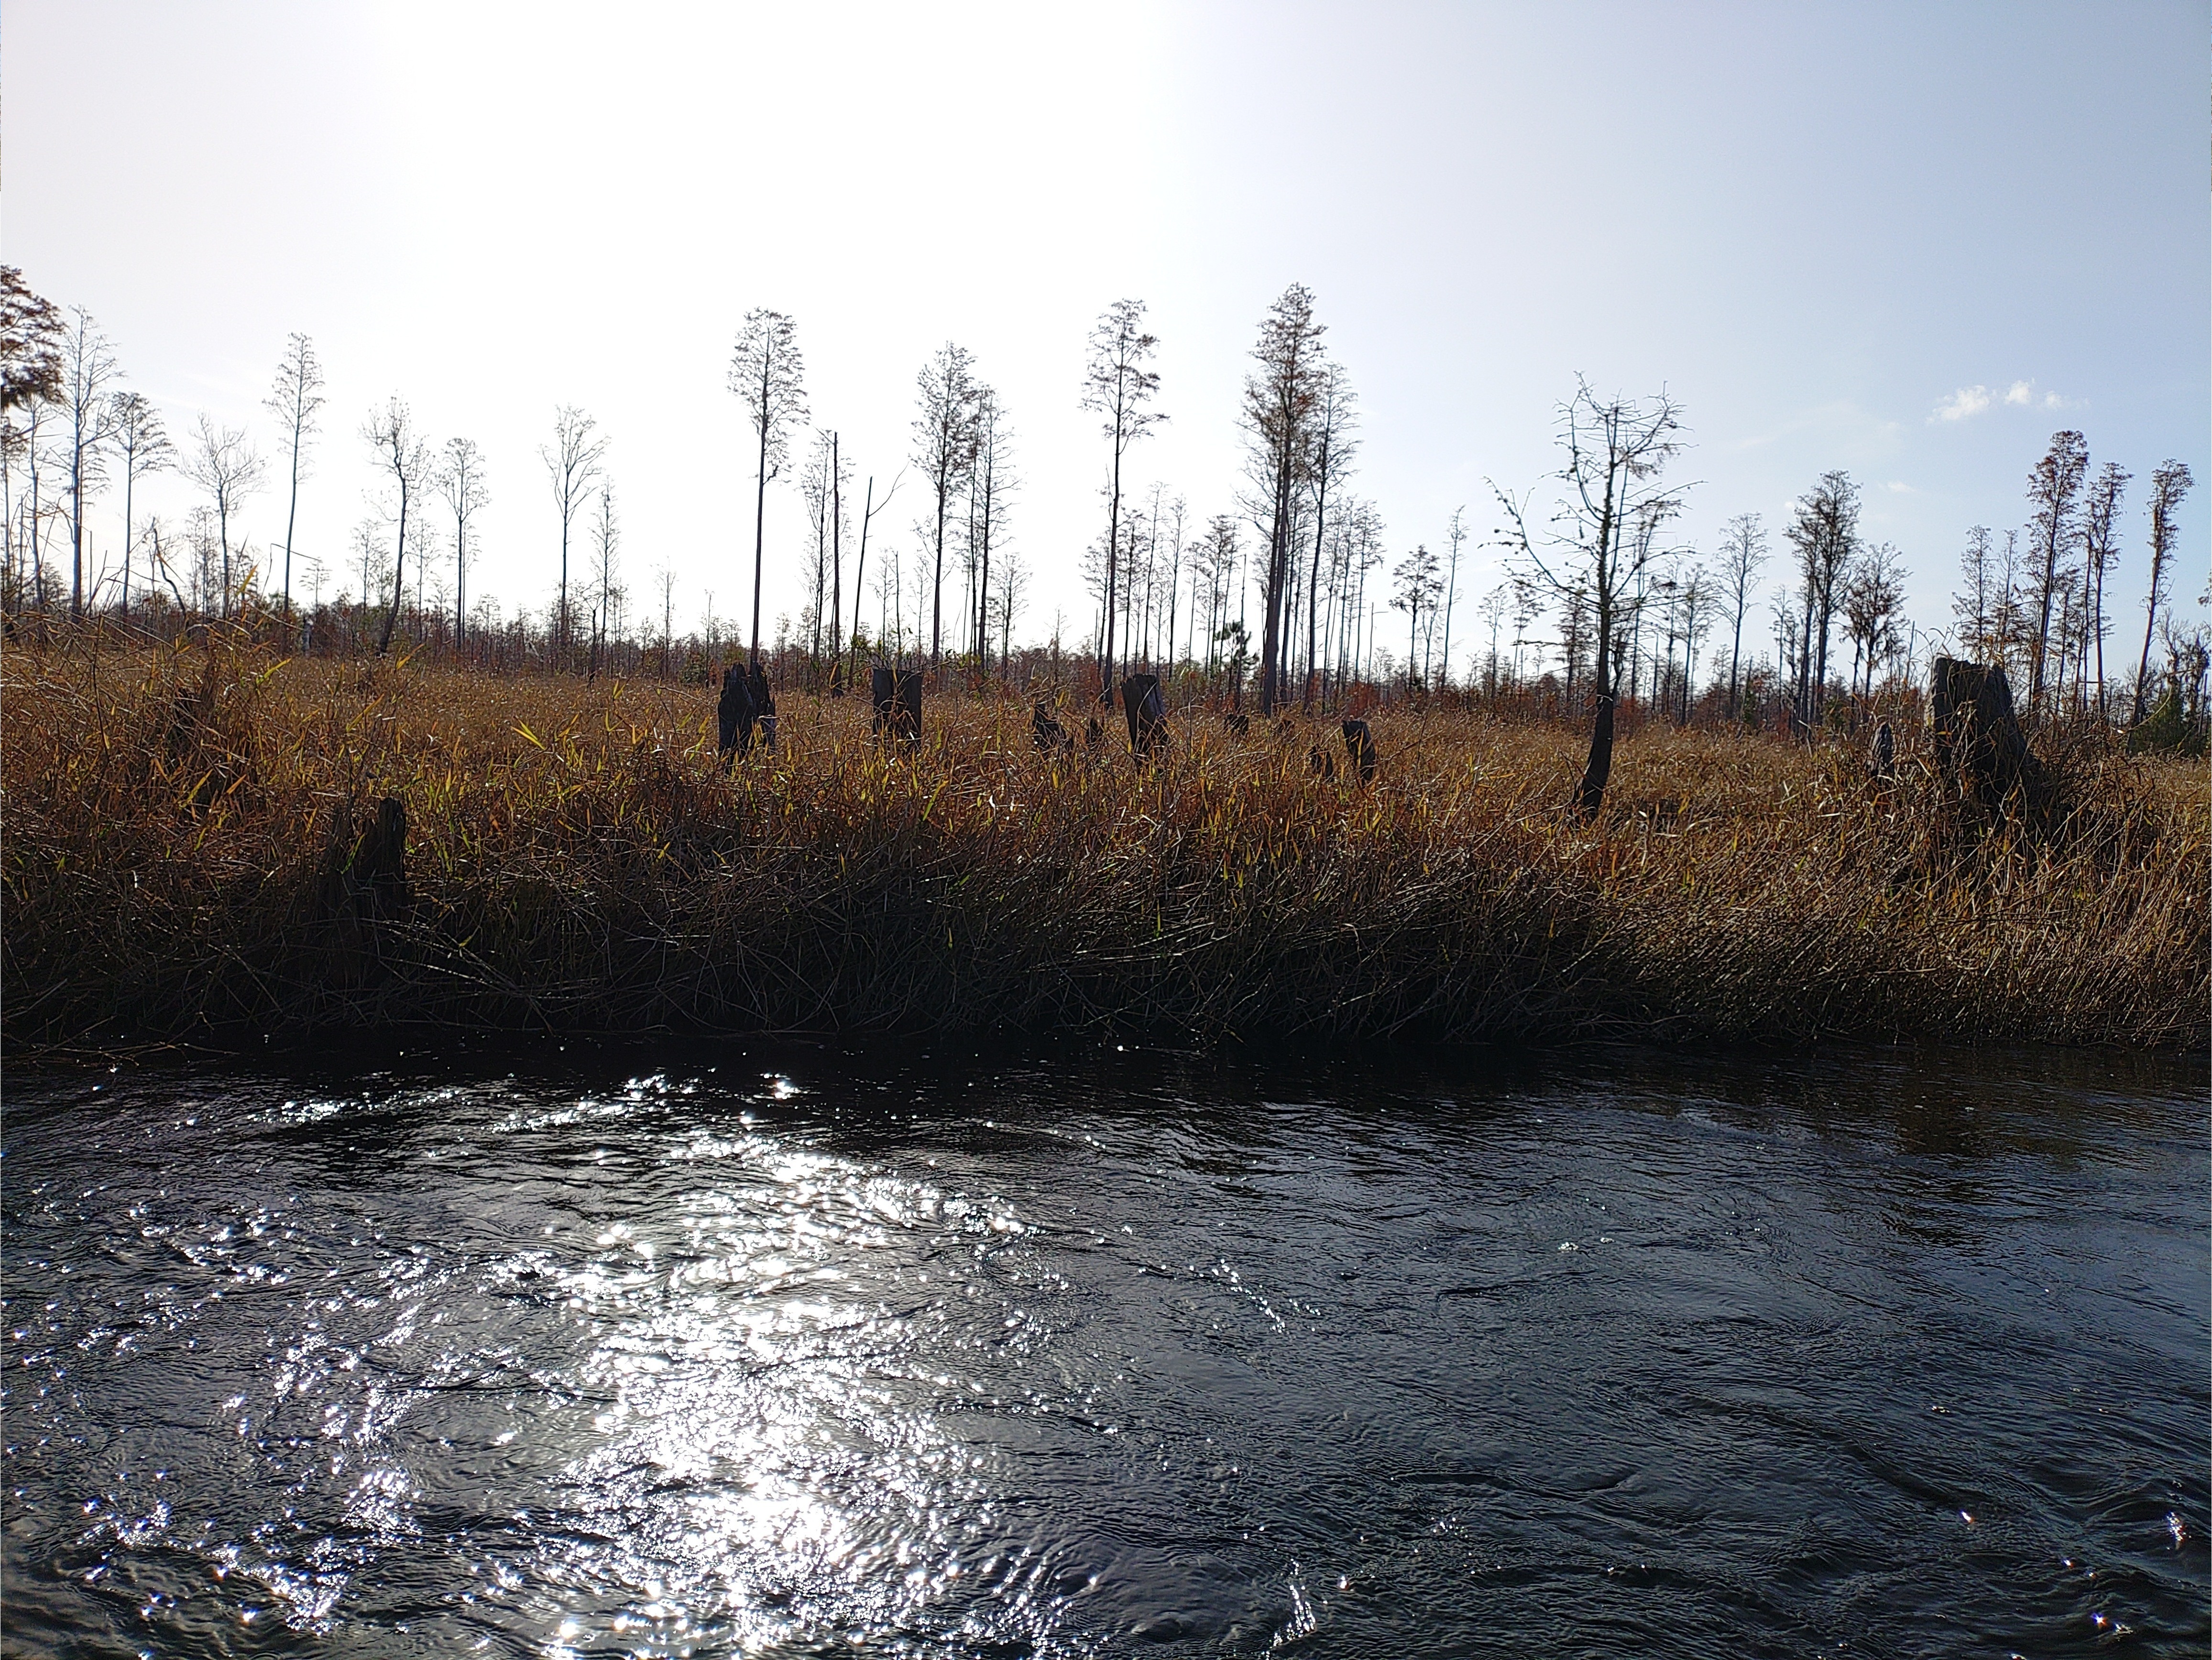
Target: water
1859, 1354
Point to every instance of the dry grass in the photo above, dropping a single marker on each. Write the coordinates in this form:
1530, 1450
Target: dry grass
178, 830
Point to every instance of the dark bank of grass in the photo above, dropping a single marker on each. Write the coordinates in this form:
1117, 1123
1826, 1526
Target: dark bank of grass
179, 828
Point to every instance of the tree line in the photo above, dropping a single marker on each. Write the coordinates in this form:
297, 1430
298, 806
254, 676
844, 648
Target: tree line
1283, 592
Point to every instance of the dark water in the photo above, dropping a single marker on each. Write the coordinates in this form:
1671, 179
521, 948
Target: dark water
1859, 1355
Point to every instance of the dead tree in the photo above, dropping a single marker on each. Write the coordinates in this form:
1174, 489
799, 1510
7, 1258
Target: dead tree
571, 467
2168, 484
88, 367
144, 446
1117, 385
400, 452
295, 400
1612, 502
461, 480
228, 470
768, 376
945, 451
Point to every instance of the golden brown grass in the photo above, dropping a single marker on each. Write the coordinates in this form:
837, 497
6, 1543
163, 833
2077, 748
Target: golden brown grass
178, 828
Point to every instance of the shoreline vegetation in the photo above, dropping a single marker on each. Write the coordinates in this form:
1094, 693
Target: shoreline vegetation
198, 853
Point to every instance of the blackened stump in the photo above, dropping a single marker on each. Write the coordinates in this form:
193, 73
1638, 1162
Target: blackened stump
1360, 748
1051, 736
734, 715
896, 696
1148, 712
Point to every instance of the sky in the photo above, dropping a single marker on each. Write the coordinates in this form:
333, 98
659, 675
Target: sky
1908, 240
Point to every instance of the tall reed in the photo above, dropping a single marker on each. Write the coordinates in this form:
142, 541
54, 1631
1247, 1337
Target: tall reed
180, 828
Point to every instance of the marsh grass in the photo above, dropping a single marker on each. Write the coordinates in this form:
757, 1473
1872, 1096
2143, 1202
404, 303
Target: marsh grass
181, 828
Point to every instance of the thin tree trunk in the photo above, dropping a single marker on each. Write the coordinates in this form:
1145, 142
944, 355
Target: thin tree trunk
2150, 627
400, 573
291, 514
759, 509
1113, 552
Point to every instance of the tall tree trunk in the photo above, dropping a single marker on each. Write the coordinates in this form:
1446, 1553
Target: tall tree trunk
399, 574
1312, 585
291, 514
760, 509
2150, 627
837, 561
1113, 553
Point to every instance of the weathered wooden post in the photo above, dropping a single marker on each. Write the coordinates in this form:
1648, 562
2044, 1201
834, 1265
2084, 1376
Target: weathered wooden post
1883, 755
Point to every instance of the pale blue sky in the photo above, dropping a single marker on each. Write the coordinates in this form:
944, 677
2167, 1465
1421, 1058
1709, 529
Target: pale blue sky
1815, 225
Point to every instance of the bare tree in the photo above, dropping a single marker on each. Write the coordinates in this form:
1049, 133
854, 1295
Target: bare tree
1454, 540
1614, 501
1213, 560
1743, 550
606, 542
573, 467
1873, 600
666, 576
145, 447
1117, 385
869, 509
1278, 408
88, 367
1013, 583
2052, 489
461, 480
768, 376
2168, 484
2100, 546
944, 449
1418, 589
1972, 607
296, 399
1335, 413
402, 455
838, 474
228, 469
992, 480
1824, 529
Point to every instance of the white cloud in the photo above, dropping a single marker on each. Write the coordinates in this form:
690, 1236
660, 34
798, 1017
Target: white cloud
1973, 400
1967, 400
1899, 487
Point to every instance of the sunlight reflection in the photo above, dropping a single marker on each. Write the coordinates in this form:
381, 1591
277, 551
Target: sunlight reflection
775, 1460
